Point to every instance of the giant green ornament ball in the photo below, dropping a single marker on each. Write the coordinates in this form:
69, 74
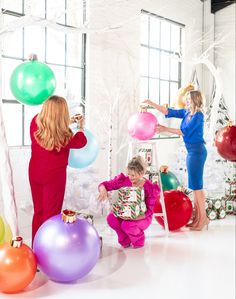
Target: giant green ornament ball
32, 82
168, 179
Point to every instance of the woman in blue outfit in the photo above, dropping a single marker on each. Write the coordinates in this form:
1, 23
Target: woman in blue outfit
191, 129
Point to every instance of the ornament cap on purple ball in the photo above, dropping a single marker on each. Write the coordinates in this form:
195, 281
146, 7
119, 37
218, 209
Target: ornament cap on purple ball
142, 125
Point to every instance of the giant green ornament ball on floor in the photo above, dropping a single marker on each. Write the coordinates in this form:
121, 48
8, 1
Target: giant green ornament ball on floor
168, 179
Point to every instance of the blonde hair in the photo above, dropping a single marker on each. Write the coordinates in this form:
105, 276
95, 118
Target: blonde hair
196, 101
137, 164
53, 124
182, 95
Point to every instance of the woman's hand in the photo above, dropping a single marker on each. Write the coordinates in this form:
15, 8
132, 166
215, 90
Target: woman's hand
103, 194
76, 118
79, 119
148, 102
160, 128
81, 122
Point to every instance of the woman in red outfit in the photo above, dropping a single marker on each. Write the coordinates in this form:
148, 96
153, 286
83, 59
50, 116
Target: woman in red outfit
51, 140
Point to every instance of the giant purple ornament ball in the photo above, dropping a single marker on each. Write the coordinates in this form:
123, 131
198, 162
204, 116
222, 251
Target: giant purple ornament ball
66, 251
142, 125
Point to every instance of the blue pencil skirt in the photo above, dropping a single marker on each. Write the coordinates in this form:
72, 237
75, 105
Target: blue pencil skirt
196, 157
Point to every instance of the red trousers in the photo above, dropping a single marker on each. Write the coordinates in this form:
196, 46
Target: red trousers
47, 194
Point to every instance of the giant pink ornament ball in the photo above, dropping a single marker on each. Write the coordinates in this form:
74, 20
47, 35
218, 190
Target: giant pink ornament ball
142, 125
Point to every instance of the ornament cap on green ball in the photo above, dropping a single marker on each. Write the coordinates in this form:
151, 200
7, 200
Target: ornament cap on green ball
164, 169
32, 57
168, 179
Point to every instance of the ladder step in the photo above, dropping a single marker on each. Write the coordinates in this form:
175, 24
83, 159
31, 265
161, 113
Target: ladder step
158, 214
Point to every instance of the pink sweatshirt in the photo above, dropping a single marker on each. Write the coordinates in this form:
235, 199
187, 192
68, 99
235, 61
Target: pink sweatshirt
151, 191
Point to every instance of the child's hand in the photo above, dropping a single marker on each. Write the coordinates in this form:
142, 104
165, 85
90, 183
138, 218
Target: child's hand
103, 194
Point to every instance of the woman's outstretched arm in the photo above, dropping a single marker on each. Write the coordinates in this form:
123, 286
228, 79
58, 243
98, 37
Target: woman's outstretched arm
160, 129
160, 108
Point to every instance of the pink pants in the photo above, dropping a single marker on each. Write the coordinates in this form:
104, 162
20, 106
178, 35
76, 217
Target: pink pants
129, 231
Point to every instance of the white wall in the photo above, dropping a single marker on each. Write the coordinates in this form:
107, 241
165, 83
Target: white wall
114, 68
225, 54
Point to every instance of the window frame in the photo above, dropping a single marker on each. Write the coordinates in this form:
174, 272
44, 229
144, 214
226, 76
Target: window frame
65, 65
162, 50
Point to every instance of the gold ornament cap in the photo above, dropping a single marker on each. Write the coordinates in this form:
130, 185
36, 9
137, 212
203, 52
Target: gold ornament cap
17, 242
230, 123
69, 216
164, 169
143, 107
180, 188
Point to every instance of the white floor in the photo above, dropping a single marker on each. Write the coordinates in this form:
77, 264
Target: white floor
185, 265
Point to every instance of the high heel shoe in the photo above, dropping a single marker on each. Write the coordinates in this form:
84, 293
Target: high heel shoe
200, 227
193, 223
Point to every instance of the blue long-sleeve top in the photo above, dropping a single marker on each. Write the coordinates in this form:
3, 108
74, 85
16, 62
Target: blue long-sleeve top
191, 126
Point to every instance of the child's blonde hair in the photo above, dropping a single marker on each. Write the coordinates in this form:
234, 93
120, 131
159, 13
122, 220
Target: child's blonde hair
137, 164
53, 124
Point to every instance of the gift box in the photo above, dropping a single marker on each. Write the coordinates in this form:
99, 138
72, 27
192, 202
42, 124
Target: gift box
130, 203
216, 208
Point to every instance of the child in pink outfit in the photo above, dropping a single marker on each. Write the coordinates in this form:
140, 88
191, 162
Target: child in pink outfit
131, 232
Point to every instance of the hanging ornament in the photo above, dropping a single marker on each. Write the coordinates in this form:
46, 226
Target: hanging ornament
32, 82
17, 266
142, 125
225, 141
168, 179
67, 247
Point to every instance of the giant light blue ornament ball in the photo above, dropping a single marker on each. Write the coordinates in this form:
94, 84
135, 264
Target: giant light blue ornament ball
83, 157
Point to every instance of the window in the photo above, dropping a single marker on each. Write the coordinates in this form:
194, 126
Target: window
61, 50
161, 43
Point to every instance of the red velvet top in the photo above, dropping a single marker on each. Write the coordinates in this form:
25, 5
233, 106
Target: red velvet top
44, 162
